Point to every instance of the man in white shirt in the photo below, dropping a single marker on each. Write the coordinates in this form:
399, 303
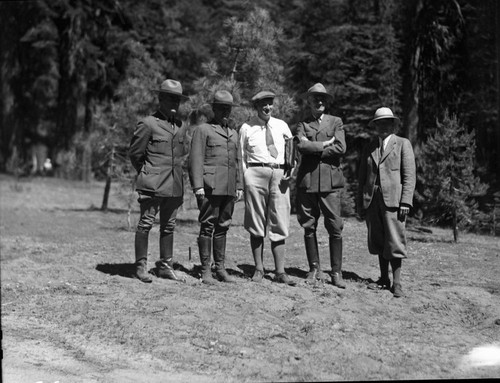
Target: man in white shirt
267, 196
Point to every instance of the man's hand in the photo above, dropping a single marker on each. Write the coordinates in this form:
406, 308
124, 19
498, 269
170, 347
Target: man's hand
239, 195
328, 143
199, 193
403, 212
361, 216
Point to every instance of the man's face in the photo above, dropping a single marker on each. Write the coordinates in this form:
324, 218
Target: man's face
221, 113
384, 127
264, 108
169, 103
317, 103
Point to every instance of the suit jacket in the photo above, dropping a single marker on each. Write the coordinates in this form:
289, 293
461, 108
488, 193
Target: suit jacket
319, 169
396, 169
156, 152
215, 160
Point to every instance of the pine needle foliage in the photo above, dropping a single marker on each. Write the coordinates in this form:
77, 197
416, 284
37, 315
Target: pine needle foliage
447, 185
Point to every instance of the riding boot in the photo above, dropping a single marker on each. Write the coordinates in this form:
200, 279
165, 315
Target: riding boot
219, 251
311, 244
205, 249
141, 257
165, 264
336, 262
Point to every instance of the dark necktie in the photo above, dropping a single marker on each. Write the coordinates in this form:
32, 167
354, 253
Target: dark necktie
270, 142
381, 148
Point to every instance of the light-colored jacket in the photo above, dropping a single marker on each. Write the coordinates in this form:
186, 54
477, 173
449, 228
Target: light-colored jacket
396, 169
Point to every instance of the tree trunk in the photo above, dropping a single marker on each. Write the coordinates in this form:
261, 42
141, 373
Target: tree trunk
497, 40
109, 172
411, 80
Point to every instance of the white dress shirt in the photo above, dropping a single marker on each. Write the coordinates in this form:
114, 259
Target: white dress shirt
253, 141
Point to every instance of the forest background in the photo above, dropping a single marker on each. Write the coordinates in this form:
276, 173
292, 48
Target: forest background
77, 74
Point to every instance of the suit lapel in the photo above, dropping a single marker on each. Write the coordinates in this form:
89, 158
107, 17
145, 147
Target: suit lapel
389, 148
220, 130
374, 151
168, 127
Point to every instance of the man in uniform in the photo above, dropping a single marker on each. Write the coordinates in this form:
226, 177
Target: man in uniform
215, 175
156, 152
320, 182
267, 192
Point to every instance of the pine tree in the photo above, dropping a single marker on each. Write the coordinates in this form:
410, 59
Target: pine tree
447, 184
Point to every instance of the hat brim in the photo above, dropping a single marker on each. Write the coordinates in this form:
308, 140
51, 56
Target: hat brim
224, 103
307, 94
172, 93
396, 120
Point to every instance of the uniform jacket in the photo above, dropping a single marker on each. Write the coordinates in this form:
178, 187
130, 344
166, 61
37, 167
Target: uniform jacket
319, 169
397, 173
215, 160
156, 152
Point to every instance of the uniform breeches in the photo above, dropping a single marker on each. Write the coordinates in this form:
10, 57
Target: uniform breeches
267, 203
215, 215
386, 233
151, 206
311, 205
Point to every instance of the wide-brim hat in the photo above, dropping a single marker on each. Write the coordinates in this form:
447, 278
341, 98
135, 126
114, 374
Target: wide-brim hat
383, 113
317, 89
263, 94
223, 97
172, 87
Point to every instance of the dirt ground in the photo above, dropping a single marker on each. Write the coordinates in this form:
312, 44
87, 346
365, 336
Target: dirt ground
70, 311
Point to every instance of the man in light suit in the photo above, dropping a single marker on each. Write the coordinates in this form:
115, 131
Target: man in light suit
387, 179
215, 175
320, 182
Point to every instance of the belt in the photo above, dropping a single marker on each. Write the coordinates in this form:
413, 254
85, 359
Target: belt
263, 165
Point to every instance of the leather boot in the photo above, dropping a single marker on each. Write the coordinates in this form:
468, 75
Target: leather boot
336, 262
164, 266
141, 257
311, 244
219, 247
205, 249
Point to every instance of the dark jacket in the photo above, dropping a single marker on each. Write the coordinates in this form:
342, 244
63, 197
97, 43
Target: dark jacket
319, 169
396, 169
215, 161
156, 152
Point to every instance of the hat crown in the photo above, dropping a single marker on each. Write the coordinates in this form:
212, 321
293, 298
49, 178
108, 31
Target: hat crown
262, 95
317, 88
223, 97
171, 86
383, 112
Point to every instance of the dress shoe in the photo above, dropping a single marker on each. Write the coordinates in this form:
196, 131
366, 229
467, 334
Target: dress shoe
258, 275
223, 276
141, 271
397, 290
338, 281
284, 278
166, 271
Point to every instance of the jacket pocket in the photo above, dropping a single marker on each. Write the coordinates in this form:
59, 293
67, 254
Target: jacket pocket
159, 145
209, 177
337, 177
149, 178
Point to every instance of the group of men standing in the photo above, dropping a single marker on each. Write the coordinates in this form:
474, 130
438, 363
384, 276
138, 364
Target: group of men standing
225, 164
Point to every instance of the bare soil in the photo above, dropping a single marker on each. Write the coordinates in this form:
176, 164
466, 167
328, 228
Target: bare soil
71, 311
